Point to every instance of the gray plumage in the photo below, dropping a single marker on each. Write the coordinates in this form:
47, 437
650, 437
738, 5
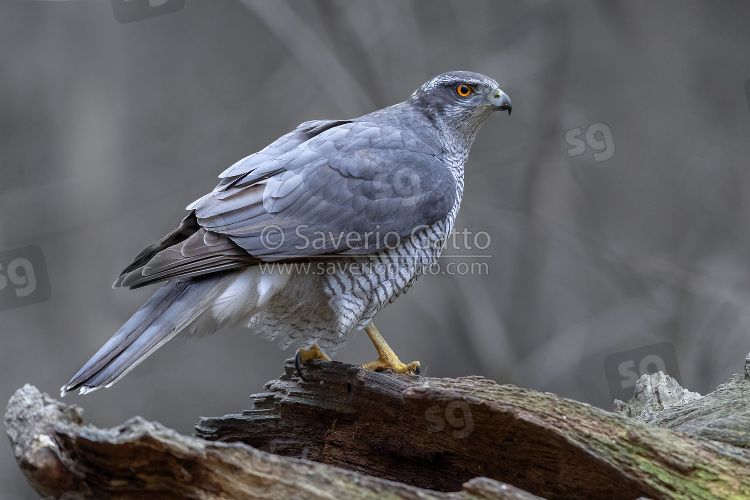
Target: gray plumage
364, 203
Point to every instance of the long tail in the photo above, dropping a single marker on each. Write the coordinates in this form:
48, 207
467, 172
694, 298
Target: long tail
167, 312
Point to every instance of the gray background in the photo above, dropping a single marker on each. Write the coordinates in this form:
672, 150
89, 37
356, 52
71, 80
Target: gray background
108, 130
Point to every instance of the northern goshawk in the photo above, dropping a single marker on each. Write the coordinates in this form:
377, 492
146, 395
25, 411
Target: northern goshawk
305, 240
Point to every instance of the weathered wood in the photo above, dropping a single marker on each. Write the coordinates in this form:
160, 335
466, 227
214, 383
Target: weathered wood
723, 415
439, 433
142, 460
348, 432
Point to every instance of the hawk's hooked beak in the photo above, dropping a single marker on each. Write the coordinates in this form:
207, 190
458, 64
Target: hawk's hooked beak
501, 101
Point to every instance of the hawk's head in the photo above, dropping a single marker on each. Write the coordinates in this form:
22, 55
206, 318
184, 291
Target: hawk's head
459, 102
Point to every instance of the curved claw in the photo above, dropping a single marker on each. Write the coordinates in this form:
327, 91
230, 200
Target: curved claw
298, 365
303, 355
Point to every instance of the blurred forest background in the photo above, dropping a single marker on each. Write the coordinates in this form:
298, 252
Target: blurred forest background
633, 235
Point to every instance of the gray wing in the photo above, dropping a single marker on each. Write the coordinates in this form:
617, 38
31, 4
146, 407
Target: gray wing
188, 250
325, 195
353, 187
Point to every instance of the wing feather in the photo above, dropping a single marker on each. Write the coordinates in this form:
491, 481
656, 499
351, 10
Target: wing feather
351, 179
331, 182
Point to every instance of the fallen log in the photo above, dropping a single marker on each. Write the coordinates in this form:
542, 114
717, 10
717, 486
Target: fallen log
439, 433
348, 432
64, 459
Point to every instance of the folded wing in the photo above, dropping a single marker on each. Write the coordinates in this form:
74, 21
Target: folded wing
327, 188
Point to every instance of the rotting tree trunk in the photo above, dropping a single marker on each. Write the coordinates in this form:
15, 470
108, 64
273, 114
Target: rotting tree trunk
403, 437
63, 459
439, 433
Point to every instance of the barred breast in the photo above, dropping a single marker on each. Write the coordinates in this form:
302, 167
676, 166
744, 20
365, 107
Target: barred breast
323, 301
371, 283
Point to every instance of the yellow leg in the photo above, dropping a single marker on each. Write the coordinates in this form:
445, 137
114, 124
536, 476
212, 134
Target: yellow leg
307, 354
387, 359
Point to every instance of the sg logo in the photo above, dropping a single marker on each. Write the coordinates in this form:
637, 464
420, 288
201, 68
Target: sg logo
623, 369
457, 414
128, 11
598, 137
23, 278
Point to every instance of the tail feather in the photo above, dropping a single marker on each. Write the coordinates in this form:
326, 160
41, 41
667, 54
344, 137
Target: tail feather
173, 307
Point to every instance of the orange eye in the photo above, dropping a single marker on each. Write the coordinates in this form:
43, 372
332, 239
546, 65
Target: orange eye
463, 90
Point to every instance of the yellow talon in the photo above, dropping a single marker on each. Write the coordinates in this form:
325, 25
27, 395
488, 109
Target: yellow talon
307, 354
387, 359
312, 353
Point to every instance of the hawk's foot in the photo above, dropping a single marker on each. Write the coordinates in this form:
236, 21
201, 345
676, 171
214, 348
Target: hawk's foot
387, 359
307, 354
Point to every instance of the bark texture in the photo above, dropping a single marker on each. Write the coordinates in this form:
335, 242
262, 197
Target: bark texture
64, 459
352, 433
